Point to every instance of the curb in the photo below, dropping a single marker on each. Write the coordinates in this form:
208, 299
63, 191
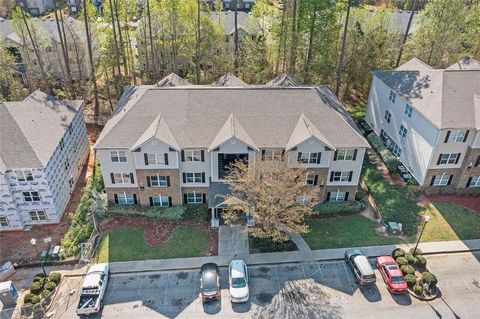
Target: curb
411, 293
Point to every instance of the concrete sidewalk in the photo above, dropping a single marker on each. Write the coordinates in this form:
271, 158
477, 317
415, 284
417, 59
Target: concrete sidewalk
287, 257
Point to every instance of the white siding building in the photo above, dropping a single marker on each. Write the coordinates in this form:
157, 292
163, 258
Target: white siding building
430, 119
43, 147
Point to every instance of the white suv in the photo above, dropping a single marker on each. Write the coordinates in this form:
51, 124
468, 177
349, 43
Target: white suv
238, 281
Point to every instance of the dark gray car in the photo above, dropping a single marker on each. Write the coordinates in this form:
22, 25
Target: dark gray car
209, 282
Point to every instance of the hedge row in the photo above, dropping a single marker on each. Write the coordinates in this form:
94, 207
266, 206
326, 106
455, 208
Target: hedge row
190, 211
339, 208
388, 158
82, 226
267, 245
42, 287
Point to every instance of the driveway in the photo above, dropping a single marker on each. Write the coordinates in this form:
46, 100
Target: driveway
232, 240
305, 290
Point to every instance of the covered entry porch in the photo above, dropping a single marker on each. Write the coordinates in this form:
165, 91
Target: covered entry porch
218, 202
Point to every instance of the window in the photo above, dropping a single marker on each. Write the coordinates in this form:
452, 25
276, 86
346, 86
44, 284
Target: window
62, 144
345, 176
396, 150
311, 179
474, 181
403, 131
118, 156
158, 181
346, 155
457, 136
193, 177
441, 180
392, 97
155, 159
270, 154
75, 147
67, 164
3, 221
444, 159
160, 201
125, 198
194, 198
309, 158
408, 111
38, 215
337, 196
24, 175
122, 178
302, 199
31, 196
193, 155
388, 116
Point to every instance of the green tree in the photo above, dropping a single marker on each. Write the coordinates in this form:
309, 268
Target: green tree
471, 37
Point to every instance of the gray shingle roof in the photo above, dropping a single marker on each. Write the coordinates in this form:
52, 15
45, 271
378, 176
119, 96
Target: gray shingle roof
196, 114
229, 80
445, 97
465, 64
30, 130
172, 79
284, 80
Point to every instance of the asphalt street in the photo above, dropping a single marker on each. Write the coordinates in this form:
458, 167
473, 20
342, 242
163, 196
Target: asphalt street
308, 290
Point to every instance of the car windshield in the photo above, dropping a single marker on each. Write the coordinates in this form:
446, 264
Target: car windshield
238, 282
397, 280
209, 285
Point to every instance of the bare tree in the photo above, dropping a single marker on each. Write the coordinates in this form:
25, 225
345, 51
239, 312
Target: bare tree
342, 51
275, 194
90, 58
414, 5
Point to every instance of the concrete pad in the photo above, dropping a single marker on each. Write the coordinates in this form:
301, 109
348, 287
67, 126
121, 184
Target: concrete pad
232, 240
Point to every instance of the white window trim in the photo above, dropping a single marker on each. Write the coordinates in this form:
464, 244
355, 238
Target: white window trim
408, 110
4, 220
346, 153
123, 178
117, 155
342, 176
303, 199
37, 216
195, 198
455, 135
24, 177
191, 153
125, 198
335, 198
392, 97
160, 201
403, 132
310, 181
309, 158
194, 178
159, 158
475, 182
31, 196
159, 184
449, 156
441, 180
276, 154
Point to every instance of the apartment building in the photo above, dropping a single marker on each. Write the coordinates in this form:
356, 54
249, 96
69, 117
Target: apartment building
429, 119
170, 145
36, 7
43, 147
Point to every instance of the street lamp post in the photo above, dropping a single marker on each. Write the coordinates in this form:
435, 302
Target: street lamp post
33, 241
425, 219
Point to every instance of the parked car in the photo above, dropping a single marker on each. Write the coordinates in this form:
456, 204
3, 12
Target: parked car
209, 282
392, 275
360, 266
238, 281
93, 290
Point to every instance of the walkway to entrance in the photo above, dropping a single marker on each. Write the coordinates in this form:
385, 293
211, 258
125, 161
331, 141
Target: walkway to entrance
232, 240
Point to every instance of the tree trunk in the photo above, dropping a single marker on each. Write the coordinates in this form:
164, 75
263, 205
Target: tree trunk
115, 43
406, 33
145, 48
152, 50
235, 39
293, 48
62, 45
310, 41
120, 38
280, 39
197, 46
342, 51
90, 58
37, 55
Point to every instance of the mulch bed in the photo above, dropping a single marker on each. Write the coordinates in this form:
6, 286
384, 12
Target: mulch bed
157, 232
470, 202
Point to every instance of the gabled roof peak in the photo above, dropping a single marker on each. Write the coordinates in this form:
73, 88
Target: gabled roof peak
172, 79
232, 128
414, 64
284, 79
467, 63
304, 130
158, 129
229, 80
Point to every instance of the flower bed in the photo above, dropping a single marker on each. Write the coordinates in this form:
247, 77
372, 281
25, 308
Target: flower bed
40, 292
421, 283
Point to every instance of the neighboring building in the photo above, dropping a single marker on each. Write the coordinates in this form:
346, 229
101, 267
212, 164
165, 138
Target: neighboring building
50, 52
43, 147
243, 5
170, 145
74, 6
430, 119
36, 7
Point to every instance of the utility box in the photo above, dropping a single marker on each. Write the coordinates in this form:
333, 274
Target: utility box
8, 294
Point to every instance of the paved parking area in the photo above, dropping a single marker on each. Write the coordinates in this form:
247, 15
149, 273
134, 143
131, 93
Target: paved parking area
309, 290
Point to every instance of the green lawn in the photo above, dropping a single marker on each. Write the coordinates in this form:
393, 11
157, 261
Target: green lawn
451, 222
123, 244
341, 232
396, 203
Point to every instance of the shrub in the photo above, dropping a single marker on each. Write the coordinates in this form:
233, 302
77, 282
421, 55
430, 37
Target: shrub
55, 277
401, 261
421, 262
361, 195
391, 162
411, 280
36, 288
50, 286
35, 299
429, 278
267, 245
39, 275
330, 208
195, 211
417, 289
40, 280
412, 182
410, 258
45, 294
28, 298
407, 269
173, 213
418, 251
398, 252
